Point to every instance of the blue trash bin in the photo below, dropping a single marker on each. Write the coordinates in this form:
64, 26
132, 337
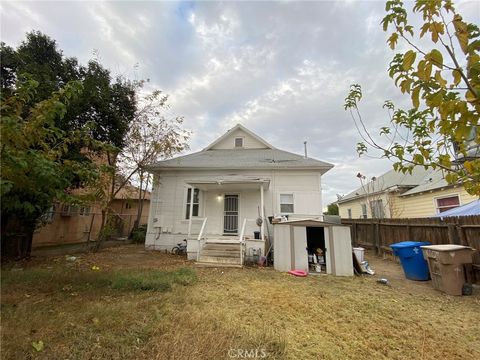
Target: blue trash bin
414, 265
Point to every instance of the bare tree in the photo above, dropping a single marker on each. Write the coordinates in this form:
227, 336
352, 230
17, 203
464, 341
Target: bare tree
154, 134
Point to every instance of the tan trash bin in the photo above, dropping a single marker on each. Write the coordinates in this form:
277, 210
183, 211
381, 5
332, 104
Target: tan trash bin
445, 263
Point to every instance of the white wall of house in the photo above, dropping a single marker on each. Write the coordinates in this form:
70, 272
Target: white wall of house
169, 198
249, 142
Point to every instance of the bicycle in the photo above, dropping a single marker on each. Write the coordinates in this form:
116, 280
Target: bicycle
181, 248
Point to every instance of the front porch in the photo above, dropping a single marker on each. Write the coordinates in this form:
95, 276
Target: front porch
233, 226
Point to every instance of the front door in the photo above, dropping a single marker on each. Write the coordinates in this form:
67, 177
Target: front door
230, 214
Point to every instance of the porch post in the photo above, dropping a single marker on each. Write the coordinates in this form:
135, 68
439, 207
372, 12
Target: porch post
262, 227
192, 191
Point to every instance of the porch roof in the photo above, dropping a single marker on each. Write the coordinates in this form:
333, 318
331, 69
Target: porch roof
230, 183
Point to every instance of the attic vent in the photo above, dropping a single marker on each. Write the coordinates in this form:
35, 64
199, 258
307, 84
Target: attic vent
238, 142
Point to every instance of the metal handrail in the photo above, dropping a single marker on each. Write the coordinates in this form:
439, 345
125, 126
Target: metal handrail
242, 234
199, 238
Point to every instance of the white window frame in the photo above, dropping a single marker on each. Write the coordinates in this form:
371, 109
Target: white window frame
49, 215
84, 211
364, 209
349, 212
286, 203
373, 209
235, 142
435, 201
187, 202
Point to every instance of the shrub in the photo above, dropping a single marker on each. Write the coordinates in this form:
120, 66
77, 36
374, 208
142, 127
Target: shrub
138, 235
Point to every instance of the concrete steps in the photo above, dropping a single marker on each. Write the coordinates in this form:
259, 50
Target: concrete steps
220, 253
215, 265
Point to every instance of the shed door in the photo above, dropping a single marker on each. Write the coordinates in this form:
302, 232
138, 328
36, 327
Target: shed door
230, 216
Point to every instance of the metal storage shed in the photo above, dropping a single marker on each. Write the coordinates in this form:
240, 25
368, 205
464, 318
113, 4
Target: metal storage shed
291, 244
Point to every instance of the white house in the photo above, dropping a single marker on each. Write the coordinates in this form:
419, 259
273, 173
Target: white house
216, 198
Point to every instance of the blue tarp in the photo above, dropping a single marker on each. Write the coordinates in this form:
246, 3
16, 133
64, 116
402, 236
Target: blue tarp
472, 208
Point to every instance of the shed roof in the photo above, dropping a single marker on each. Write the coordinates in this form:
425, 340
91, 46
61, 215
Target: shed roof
308, 222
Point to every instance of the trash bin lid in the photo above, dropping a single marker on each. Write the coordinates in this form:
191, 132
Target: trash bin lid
407, 244
446, 247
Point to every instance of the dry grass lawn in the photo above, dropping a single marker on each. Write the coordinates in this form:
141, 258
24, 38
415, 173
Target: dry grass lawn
180, 312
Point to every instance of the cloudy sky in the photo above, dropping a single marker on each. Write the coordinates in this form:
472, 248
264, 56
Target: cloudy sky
282, 69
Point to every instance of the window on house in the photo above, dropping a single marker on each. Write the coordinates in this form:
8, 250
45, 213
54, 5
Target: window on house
238, 142
286, 203
447, 203
349, 211
377, 209
69, 210
364, 211
128, 205
196, 202
49, 215
84, 210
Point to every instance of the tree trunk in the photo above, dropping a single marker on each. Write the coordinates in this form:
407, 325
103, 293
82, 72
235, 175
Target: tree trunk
16, 237
101, 233
136, 223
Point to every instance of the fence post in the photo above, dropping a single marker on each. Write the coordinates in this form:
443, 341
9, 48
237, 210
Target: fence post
377, 238
461, 235
452, 235
409, 230
354, 234
90, 230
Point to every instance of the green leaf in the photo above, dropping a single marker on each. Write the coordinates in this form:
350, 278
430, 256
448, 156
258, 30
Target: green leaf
418, 159
38, 345
436, 58
440, 80
435, 99
408, 59
416, 97
470, 96
461, 31
457, 77
392, 40
428, 71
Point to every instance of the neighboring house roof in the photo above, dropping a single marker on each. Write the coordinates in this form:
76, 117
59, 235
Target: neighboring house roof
250, 158
431, 181
130, 192
472, 208
389, 181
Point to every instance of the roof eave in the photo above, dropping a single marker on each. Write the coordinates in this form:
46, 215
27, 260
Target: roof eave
190, 168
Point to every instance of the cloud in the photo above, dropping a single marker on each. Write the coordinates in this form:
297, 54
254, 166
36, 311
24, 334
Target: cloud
282, 68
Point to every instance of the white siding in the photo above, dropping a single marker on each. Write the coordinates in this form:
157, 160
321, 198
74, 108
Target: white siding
249, 142
169, 198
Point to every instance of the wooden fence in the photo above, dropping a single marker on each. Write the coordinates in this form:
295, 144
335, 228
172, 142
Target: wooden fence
379, 234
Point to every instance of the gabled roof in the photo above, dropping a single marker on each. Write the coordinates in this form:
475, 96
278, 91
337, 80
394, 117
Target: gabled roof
244, 158
238, 127
241, 159
130, 192
390, 180
431, 181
